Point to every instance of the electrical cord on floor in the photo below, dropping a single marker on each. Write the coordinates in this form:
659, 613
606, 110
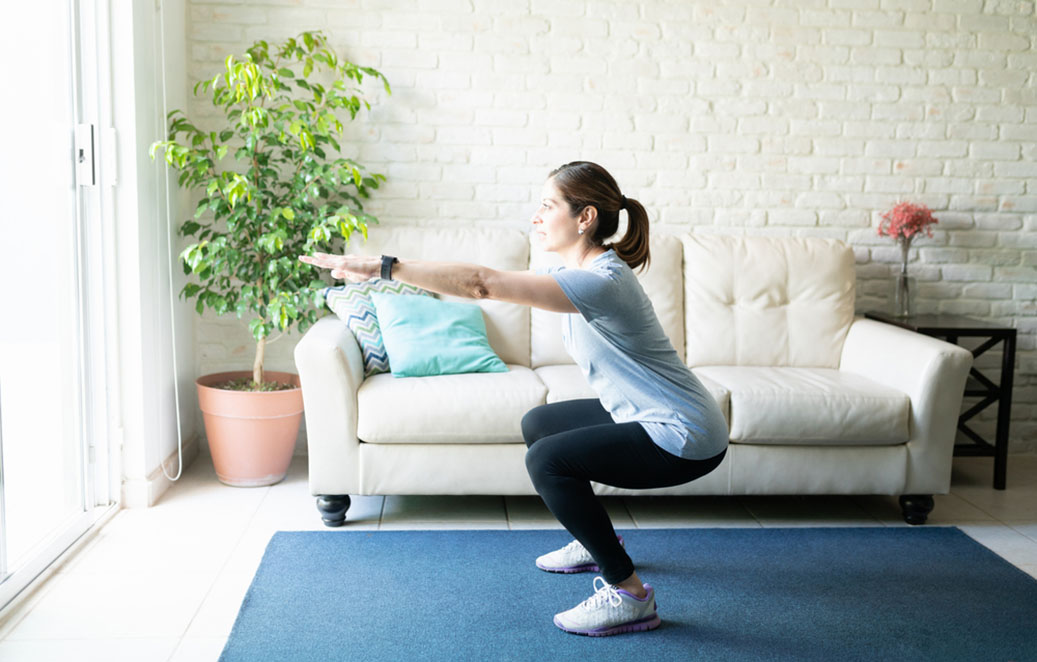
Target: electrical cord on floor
160, 9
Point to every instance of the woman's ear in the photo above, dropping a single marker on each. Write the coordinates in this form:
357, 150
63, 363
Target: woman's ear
589, 214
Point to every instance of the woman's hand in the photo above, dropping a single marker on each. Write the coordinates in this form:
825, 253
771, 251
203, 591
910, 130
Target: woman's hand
355, 268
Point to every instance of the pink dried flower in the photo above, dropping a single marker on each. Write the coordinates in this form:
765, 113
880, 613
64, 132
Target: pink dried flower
906, 220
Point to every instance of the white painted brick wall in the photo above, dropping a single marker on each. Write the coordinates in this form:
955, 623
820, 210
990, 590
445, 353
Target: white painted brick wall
757, 116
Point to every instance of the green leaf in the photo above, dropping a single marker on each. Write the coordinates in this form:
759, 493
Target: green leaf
284, 190
257, 327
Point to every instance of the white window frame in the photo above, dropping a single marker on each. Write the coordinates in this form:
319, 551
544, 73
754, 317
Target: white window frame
94, 270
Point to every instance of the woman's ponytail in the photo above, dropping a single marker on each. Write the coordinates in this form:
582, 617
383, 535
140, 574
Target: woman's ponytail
633, 247
585, 184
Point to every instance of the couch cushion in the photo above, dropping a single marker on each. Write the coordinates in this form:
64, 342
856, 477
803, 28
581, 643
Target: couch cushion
811, 406
352, 303
507, 324
661, 282
475, 408
566, 382
767, 301
425, 336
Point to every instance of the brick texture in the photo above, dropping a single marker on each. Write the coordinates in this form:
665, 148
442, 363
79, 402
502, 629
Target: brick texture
746, 116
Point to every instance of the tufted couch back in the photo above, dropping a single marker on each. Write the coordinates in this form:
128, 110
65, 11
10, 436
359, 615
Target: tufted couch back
722, 300
763, 301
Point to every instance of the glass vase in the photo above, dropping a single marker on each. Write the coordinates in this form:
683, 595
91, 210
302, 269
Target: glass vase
902, 295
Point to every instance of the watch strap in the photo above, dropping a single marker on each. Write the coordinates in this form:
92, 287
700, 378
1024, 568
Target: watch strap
387, 262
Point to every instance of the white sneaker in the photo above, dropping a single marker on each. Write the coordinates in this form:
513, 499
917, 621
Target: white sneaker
574, 557
611, 610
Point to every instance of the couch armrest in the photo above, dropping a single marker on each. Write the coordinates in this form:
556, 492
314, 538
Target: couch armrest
331, 370
932, 373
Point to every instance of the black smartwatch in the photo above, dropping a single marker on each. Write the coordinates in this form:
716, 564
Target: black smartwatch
387, 262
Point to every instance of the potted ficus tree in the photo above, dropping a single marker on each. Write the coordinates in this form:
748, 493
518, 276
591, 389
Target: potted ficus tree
272, 185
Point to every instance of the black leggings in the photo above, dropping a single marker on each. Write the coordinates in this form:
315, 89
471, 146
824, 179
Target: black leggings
575, 442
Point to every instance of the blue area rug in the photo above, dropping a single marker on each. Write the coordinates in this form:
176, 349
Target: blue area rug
724, 594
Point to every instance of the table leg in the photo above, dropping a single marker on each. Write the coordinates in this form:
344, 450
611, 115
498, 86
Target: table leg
1004, 413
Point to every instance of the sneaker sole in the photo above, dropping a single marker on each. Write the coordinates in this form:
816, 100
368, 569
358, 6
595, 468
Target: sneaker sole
642, 625
589, 567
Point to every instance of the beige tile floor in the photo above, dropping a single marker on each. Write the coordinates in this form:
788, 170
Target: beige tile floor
165, 583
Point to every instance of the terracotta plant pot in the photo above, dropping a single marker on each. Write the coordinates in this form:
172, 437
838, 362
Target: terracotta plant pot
251, 435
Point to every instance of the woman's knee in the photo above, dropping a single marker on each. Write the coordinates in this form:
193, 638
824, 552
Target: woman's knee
540, 464
534, 462
532, 426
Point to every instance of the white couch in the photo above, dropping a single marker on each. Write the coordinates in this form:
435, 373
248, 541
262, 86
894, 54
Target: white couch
818, 401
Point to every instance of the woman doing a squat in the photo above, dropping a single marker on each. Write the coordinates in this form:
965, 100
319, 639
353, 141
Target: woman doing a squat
653, 424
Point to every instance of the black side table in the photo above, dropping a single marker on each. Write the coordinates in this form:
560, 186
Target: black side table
950, 328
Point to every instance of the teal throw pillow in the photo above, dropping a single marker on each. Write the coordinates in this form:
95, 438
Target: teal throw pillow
425, 336
352, 303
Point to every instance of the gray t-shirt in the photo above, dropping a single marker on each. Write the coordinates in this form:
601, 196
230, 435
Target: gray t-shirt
630, 363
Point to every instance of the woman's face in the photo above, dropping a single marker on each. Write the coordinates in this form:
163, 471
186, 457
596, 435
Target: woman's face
553, 222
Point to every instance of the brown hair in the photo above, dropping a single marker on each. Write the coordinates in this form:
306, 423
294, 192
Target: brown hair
584, 184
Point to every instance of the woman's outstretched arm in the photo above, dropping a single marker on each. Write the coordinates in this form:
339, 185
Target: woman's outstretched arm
454, 278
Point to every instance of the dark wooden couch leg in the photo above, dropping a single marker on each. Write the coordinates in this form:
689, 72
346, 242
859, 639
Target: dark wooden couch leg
916, 507
333, 508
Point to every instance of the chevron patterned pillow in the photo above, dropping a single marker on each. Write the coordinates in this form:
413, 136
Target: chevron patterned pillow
352, 303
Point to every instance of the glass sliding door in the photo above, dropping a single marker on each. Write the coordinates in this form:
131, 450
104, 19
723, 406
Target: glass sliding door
46, 498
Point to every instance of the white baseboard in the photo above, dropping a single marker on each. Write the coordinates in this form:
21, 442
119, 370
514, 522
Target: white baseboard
144, 492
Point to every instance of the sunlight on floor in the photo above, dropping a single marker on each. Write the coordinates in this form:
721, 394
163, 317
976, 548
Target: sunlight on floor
165, 583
